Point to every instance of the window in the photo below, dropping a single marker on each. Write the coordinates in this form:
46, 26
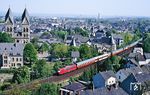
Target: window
13, 59
10, 29
5, 61
17, 59
5, 57
20, 59
26, 29
7, 29
119, 77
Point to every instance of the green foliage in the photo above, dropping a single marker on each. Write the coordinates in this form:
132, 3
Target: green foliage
87, 51
73, 48
127, 38
4, 37
112, 63
60, 50
88, 74
41, 69
18, 91
81, 31
48, 89
5, 86
108, 33
60, 34
6, 71
30, 53
116, 62
21, 75
44, 47
57, 65
34, 41
146, 43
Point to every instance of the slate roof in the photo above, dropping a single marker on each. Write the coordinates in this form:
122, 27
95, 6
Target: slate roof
146, 68
104, 40
143, 77
106, 75
137, 56
9, 16
104, 91
128, 71
147, 55
117, 36
25, 16
134, 62
12, 49
74, 87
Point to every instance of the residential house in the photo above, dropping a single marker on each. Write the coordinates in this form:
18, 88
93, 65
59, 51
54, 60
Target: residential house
105, 79
136, 84
72, 89
104, 91
11, 55
122, 74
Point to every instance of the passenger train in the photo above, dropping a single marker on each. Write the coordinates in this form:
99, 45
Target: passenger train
94, 59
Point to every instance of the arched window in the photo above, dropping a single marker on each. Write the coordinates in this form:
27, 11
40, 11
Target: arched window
10, 29
24, 30
7, 29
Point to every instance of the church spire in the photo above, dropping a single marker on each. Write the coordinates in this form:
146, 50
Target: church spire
8, 17
113, 43
73, 42
25, 17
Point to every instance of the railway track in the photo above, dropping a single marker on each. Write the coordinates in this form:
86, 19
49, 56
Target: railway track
61, 78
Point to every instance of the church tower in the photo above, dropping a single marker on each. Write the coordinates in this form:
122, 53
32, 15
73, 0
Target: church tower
25, 26
9, 22
113, 43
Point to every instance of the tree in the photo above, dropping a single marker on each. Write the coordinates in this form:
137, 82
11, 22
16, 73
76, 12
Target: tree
60, 50
44, 47
108, 33
21, 75
81, 31
30, 53
62, 34
17, 91
116, 62
146, 43
34, 41
127, 38
57, 65
48, 89
4, 37
85, 51
41, 69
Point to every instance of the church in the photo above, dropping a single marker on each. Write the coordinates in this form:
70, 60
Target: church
20, 34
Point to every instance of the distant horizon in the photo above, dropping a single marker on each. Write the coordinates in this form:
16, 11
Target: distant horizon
106, 8
15, 14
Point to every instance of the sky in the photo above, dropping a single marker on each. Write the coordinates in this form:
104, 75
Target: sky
79, 7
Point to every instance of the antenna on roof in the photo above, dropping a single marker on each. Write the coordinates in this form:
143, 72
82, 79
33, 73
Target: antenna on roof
9, 5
